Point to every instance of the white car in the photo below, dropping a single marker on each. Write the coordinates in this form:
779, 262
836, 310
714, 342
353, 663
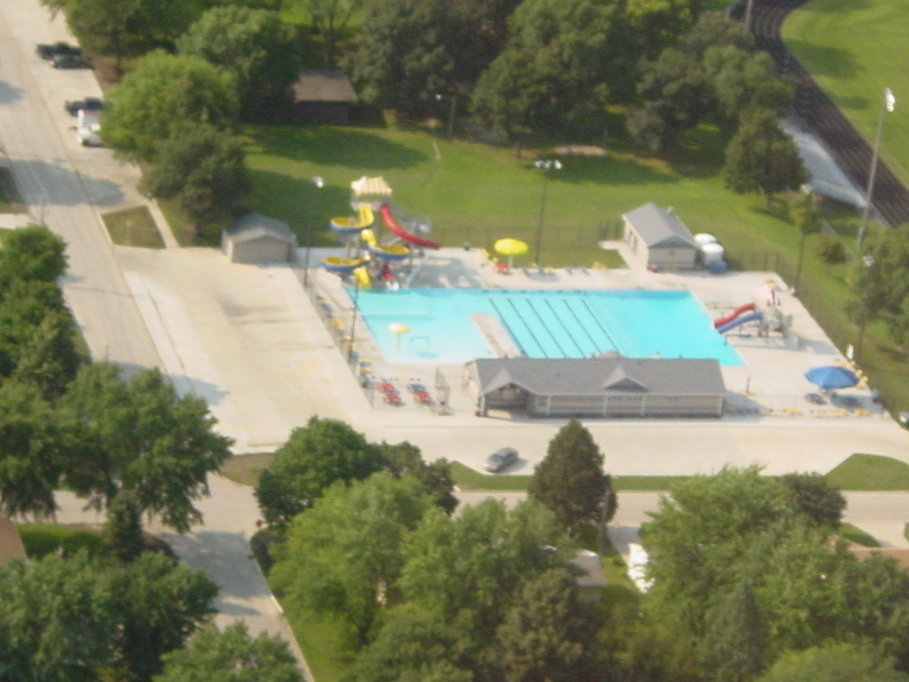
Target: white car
88, 128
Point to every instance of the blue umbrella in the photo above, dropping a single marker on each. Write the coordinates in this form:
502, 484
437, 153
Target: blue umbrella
831, 376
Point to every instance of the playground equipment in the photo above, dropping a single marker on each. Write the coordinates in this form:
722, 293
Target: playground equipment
342, 265
764, 310
390, 252
729, 317
348, 225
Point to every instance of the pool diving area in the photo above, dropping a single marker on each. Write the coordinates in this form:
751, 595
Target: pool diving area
452, 326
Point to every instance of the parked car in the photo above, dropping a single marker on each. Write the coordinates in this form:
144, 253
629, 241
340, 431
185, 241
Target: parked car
49, 51
74, 106
70, 61
88, 128
501, 459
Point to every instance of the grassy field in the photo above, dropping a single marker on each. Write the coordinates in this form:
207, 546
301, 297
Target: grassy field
133, 227
43, 538
854, 50
870, 472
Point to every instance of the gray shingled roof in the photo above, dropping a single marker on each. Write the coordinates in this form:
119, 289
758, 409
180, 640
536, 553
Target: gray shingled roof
599, 376
255, 226
323, 86
660, 227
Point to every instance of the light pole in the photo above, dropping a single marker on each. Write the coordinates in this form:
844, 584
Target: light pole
546, 165
319, 183
888, 104
451, 111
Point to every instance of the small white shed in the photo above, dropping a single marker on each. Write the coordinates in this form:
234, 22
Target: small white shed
256, 238
659, 238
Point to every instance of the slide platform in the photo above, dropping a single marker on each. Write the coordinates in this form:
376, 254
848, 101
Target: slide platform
729, 317
392, 224
722, 329
347, 225
341, 264
393, 252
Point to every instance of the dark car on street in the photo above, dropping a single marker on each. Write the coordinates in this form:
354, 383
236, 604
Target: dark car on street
501, 460
74, 106
70, 61
49, 51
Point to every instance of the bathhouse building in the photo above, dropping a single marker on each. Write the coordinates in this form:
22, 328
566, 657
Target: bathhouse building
659, 238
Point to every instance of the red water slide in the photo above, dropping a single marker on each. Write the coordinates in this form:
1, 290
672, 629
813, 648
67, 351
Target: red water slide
393, 225
729, 317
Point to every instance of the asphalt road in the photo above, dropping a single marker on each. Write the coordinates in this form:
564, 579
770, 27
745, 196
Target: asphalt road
63, 187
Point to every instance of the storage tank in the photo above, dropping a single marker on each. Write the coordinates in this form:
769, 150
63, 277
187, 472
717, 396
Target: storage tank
712, 252
704, 238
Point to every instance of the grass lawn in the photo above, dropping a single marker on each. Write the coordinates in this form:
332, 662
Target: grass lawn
43, 538
858, 536
854, 50
133, 227
870, 472
245, 468
321, 639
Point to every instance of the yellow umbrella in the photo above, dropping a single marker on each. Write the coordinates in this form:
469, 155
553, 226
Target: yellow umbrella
400, 329
510, 247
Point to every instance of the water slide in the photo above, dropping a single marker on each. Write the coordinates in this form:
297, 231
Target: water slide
392, 224
348, 225
722, 329
729, 317
341, 264
393, 252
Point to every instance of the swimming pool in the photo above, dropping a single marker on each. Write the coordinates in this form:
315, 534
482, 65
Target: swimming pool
451, 326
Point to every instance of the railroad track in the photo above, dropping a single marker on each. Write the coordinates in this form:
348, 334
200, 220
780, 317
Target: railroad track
850, 150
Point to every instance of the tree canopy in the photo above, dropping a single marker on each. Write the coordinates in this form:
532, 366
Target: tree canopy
161, 92
139, 435
835, 662
261, 51
31, 253
570, 479
880, 282
231, 654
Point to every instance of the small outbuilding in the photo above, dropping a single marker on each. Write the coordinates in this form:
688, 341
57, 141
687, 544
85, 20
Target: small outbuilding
323, 97
612, 386
256, 238
659, 238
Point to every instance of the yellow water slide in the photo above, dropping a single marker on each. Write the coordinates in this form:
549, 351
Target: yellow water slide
391, 252
364, 281
351, 224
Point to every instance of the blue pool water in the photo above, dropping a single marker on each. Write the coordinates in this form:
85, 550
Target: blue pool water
542, 323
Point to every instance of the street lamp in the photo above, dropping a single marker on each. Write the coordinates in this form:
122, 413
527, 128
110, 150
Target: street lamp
888, 104
546, 165
451, 112
319, 183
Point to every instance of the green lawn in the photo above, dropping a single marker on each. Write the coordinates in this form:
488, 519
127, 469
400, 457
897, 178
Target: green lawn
854, 50
870, 472
43, 538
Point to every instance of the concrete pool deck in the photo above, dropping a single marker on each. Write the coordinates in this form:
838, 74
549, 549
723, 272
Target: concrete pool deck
250, 341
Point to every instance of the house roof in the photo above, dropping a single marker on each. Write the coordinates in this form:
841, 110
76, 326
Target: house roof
660, 227
323, 86
258, 227
11, 546
602, 375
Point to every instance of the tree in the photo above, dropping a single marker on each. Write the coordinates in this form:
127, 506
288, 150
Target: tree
231, 654
122, 535
344, 555
159, 604
745, 82
880, 283
143, 438
557, 71
412, 644
48, 358
204, 169
658, 23
331, 19
401, 58
34, 449
734, 647
403, 459
161, 92
547, 634
32, 253
835, 662
570, 479
313, 458
467, 570
260, 50
820, 502
762, 158
803, 215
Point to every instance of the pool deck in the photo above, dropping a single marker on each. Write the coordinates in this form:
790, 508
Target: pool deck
266, 357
